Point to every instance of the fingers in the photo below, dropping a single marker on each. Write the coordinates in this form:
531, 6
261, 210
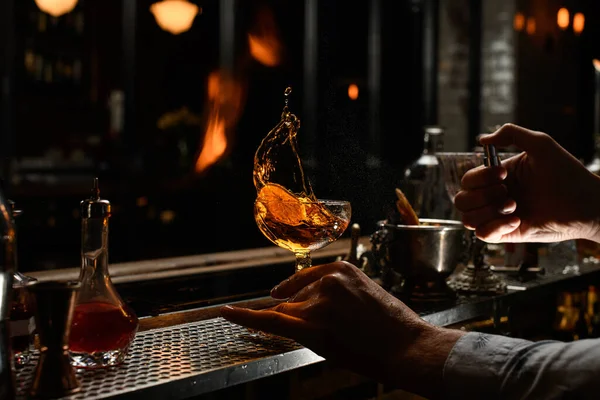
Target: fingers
495, 230
482, 176
297, 309
513, 135
299, 280
309, 291
468, 200
288, 308
305, 305
269, 321
481, 216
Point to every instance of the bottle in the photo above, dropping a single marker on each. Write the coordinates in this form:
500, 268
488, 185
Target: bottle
103, 325
423, 181
7, 258
22, 312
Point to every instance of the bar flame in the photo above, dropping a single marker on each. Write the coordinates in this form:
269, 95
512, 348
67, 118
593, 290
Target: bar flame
225, 102
214, 145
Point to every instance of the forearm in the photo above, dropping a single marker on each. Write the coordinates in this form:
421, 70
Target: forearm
496, 367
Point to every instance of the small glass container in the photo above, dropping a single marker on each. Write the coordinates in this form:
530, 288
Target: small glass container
103, 325
22, 308
22, 321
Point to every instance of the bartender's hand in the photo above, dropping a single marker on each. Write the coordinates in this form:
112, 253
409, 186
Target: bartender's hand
544, 194
342, 315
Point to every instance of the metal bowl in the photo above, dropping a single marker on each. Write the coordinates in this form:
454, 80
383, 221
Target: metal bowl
427, 252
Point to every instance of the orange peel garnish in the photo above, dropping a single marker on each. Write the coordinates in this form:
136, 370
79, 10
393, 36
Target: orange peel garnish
284, 206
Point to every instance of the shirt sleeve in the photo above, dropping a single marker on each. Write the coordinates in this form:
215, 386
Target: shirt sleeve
482, 366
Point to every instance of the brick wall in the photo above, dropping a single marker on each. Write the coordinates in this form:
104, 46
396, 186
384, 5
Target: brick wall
498, 64
453, 76
498, 68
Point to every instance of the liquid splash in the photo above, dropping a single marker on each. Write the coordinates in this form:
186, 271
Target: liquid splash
277, 159
286, 210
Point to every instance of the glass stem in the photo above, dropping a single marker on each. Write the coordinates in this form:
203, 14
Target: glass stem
303, 260
477, 253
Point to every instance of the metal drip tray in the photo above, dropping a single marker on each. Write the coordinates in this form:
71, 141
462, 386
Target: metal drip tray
187, 360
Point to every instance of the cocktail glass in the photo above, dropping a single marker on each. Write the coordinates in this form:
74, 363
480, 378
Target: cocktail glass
477, 277
300, 225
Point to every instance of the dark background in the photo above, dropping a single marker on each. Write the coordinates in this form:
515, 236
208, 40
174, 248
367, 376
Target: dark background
56, 132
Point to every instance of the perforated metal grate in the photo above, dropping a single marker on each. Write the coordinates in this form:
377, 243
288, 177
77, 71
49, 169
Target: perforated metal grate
163, 355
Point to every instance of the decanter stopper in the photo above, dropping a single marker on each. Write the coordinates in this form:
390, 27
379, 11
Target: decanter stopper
54, 376
95, 207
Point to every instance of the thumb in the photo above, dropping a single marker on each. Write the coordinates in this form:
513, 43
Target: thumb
513, 135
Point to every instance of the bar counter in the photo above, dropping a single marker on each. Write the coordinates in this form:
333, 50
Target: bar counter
191, 352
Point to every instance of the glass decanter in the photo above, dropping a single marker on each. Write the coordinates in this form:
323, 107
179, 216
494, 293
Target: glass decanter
477, 277
103, 325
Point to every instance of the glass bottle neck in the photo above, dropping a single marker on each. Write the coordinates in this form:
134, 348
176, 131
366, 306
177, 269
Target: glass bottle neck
594, 165
433, 143
94, 247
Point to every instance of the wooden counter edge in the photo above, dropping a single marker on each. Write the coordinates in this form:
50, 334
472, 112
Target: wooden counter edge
201, 314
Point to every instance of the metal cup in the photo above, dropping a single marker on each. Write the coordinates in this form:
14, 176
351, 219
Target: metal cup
427, 252
54, 376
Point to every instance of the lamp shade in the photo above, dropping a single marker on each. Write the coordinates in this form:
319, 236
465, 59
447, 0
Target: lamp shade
174, 16
56, 8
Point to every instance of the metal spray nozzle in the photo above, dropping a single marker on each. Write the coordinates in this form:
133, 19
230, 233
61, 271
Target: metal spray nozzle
491, 159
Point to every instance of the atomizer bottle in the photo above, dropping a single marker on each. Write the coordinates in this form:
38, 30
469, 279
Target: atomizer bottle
103, 325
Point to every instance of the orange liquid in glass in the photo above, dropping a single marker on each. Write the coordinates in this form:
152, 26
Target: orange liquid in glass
101, 327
